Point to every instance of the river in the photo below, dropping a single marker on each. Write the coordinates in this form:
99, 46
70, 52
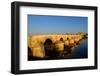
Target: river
80, 51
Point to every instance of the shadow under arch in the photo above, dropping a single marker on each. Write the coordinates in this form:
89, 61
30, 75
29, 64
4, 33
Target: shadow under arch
48, 41
50, 51
61, 39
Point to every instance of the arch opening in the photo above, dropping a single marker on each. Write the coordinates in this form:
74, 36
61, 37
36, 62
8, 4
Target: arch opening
61, 39
50, 51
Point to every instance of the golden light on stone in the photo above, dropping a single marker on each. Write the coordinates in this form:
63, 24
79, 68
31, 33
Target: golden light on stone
36, 42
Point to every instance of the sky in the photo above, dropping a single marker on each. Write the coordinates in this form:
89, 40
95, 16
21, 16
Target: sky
46, 24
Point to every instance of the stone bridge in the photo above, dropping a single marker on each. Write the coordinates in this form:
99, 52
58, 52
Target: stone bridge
36, 42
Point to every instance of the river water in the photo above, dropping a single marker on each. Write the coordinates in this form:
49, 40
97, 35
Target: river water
80, 51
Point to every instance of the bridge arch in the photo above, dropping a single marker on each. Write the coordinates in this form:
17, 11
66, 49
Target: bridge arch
61, 39
48, 41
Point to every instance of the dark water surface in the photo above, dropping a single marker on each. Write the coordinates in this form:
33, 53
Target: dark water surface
80, 51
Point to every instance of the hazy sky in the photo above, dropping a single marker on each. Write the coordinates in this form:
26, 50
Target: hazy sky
42, 24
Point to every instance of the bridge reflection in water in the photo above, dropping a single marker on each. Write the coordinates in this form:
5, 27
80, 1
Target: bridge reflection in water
59, 50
